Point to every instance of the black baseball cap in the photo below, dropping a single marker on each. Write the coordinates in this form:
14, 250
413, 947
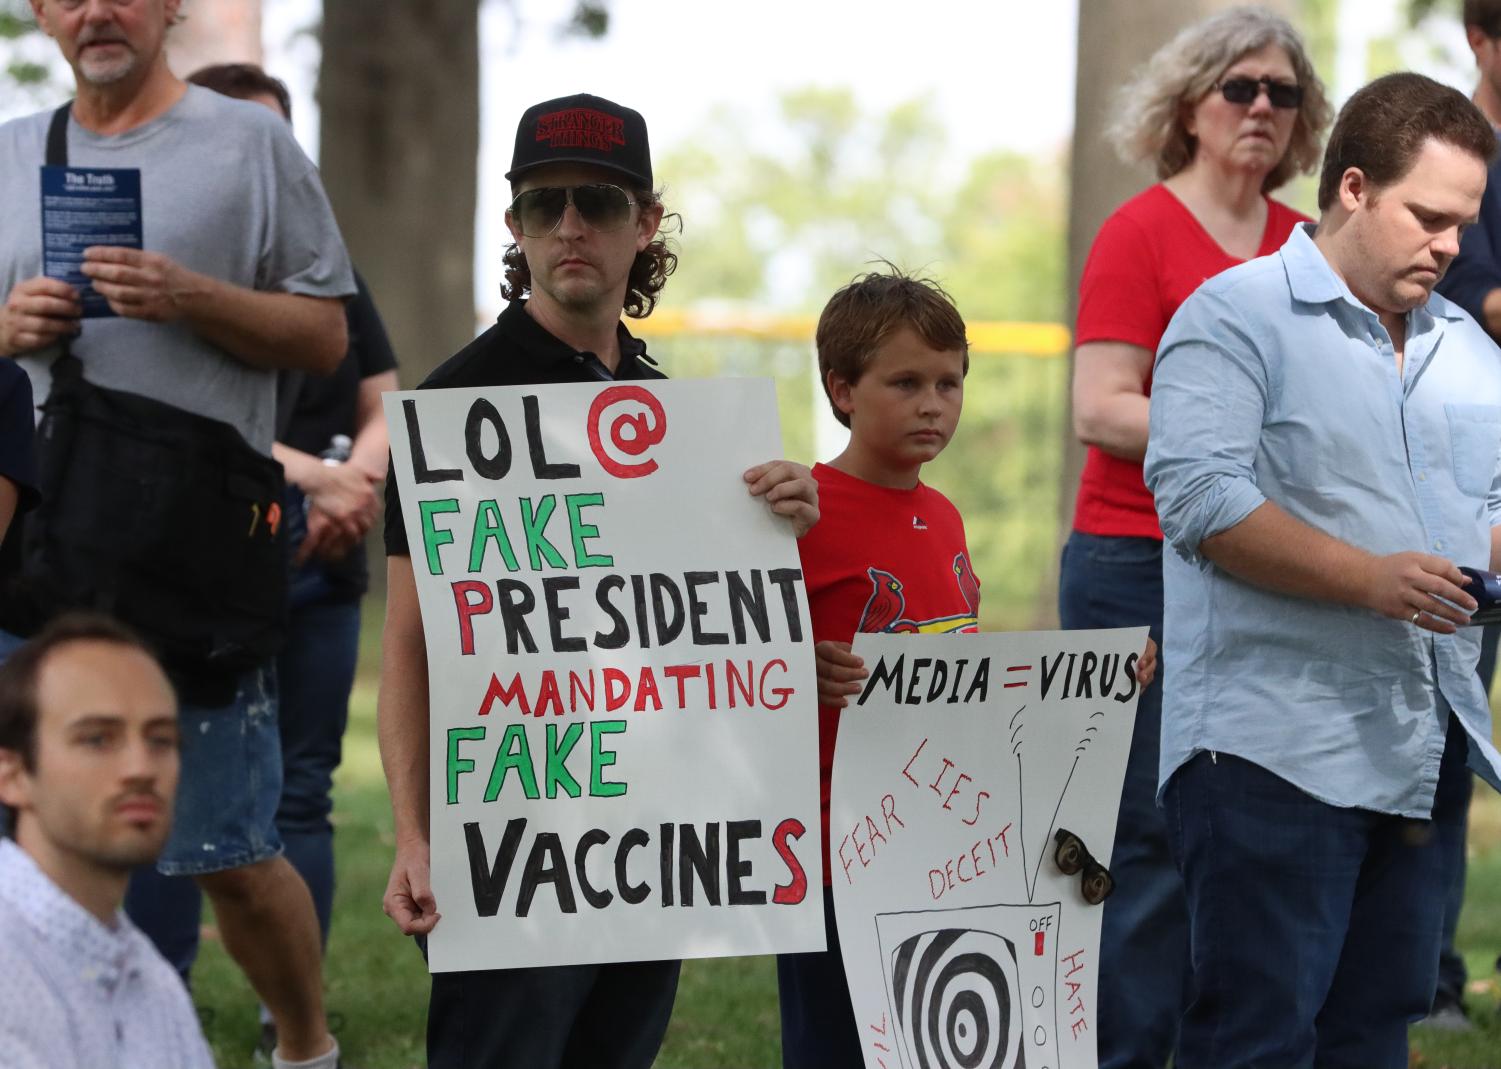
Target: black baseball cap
582, 129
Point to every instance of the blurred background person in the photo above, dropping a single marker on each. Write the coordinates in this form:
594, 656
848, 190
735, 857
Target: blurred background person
331, 439
1226, 112
1474, 283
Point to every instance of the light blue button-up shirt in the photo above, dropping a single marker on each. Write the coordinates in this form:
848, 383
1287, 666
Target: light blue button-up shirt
77, 993
1273, 383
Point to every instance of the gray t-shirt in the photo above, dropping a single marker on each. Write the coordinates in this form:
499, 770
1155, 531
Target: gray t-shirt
226, 191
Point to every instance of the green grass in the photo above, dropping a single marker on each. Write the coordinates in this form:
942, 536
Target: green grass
1479, 940
375, 978
726, 1014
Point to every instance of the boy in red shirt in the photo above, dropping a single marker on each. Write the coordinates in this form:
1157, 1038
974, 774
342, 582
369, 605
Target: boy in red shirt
888, 554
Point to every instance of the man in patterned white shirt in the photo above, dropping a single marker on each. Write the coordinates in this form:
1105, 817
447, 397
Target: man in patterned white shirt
88, 769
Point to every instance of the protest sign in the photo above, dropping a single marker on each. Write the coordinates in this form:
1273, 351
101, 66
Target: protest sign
624, 751
976, 784
83, 206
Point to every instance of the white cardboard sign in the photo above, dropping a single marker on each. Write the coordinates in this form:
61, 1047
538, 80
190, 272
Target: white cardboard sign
964, 943
623, 749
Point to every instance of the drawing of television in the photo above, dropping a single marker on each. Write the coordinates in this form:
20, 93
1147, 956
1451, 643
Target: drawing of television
973, 988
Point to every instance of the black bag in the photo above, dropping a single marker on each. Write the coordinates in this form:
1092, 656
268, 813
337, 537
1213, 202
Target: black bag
167, 520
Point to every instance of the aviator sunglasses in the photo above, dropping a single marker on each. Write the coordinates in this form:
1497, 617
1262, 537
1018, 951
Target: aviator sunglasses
1245, 91
602, 206
1071, 856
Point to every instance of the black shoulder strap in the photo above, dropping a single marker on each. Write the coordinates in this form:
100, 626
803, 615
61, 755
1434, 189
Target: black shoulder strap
57, 136
57, 156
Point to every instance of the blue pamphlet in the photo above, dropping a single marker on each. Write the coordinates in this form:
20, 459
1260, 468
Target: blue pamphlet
83, 206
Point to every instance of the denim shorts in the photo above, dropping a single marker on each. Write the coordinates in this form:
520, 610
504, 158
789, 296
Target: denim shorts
230, 783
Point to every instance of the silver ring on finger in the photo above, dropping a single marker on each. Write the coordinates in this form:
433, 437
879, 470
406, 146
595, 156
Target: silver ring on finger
1415, 616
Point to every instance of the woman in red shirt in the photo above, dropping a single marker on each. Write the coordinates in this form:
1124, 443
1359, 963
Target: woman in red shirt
1228, 111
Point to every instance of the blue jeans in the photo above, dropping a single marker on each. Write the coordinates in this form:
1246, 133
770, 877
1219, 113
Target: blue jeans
1117, 582
1451, 966
315, 673
1314, 928
224, 817
818, 1019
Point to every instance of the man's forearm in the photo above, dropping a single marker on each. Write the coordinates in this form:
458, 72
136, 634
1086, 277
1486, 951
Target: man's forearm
1273, 550
402, 707
403, 732
302, 469
1117, 424
371, 451
266, 330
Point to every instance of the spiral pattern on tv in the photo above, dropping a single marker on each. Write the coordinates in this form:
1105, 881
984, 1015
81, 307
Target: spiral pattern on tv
956, 1000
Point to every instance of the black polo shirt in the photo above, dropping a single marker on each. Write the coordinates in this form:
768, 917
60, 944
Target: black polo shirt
516, 351
311, 409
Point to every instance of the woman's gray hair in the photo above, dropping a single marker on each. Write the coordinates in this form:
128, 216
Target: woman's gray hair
1149, 110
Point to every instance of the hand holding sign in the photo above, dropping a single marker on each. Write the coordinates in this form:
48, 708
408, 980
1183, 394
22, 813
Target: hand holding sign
841, 674
789, 489
1146, 666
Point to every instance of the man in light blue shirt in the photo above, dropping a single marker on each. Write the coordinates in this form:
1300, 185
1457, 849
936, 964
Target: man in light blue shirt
1324, 448
88, 765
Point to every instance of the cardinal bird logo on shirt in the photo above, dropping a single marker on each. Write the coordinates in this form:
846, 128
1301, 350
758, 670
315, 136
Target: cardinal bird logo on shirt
885, 611
969, 584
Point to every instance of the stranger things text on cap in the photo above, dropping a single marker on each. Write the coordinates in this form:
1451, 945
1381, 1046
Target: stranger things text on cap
582, 129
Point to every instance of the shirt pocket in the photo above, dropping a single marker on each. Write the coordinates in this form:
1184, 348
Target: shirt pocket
1475, 436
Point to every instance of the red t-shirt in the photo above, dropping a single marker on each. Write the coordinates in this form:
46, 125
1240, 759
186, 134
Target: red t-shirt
1145, 261
881, 560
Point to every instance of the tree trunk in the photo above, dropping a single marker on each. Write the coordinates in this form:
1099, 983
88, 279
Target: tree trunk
215, 31
1113, 40
399, 143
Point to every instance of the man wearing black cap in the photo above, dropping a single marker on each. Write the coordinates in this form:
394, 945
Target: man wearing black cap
585, 224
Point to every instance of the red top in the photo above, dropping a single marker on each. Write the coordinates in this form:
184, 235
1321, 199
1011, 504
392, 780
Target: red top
1145, 261
881, 560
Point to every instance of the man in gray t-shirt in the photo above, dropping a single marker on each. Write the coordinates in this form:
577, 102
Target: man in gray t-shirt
235, 221
243, 272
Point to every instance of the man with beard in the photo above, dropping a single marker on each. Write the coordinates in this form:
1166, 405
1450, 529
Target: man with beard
584, 222
243, 273
88, 766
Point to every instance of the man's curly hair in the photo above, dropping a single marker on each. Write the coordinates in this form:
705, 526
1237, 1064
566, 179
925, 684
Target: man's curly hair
648, 273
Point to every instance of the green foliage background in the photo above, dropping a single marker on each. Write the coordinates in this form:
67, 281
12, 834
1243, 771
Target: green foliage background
781, 222
16, 22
